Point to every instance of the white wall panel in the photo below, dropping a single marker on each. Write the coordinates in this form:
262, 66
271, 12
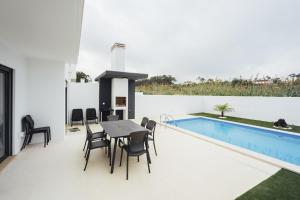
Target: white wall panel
83, 95
260, 108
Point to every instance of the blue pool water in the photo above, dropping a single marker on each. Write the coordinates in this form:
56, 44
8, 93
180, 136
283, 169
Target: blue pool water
275, 144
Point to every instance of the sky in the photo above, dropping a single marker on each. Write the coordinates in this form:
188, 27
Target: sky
221, 39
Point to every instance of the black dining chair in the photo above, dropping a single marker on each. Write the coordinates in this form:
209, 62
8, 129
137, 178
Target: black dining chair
96, 144
112, 117
91, 114
151, 125
77, 115
144, 121
30, 130
136, 146
95, 136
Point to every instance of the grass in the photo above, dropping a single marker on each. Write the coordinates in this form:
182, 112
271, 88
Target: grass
295, 129
282, 185
222, 89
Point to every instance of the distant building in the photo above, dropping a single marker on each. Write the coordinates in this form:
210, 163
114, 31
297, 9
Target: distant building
263, 81
188, 83
70, 72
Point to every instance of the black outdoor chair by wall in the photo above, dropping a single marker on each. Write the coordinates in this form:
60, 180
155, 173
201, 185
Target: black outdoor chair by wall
77, 115
91, 114
96, 144
137, 145
28, 128
112, 117
144, 122
151, 125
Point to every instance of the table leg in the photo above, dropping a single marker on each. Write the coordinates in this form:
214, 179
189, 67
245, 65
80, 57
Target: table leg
114, 156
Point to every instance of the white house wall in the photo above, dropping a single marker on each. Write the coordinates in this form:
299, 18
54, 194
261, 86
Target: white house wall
38, 89
46, 96
18, 63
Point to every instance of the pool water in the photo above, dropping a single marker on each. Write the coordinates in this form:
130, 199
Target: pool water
282, 146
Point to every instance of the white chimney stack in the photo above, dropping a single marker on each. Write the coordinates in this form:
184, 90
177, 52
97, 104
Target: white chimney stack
118, 57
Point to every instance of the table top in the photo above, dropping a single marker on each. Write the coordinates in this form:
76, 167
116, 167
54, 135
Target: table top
121, 128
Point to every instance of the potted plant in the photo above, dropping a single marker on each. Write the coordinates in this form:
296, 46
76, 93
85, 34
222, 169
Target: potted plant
223, 108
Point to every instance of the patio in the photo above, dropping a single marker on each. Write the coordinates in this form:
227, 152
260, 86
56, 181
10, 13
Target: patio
185, 168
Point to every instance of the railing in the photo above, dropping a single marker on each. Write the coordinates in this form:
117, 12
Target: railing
167, 117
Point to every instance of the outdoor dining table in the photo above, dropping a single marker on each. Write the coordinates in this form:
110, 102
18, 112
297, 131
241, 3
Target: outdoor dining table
117, 130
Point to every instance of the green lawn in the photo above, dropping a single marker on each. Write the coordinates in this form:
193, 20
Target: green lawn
284, 185
295, 129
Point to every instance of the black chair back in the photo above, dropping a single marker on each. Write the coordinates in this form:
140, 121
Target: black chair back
88, 133
144, 122
30, 122
91, 114
137, 141
77, 115
151, 125
113, 117
25, 126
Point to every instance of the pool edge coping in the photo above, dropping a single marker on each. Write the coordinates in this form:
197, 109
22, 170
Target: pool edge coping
244, 124
258, 156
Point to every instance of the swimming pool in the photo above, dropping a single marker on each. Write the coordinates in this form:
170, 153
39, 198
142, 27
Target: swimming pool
279, 145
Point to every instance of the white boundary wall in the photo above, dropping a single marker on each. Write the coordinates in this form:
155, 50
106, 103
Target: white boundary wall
261, 108
83, 95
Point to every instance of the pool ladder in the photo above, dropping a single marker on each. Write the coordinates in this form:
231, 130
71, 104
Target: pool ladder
167, 117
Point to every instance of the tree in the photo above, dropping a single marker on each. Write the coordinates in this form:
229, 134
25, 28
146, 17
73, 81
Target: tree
200, 79
82, 75
223, 108
236, 81
161, 80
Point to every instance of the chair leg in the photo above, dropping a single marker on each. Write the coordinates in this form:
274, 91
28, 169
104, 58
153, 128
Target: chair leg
147, 151
86, 152
84, 144
138, 158
154, 147
127, 166
148, 163
82, 122
29, 139
45, 139
49, 133
121, 157
87, 159
24, 142
71, 123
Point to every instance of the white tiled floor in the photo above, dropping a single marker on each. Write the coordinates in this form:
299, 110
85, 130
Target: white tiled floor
185, 168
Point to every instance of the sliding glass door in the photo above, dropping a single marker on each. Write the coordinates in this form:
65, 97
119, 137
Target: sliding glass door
5, 111
2, 116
